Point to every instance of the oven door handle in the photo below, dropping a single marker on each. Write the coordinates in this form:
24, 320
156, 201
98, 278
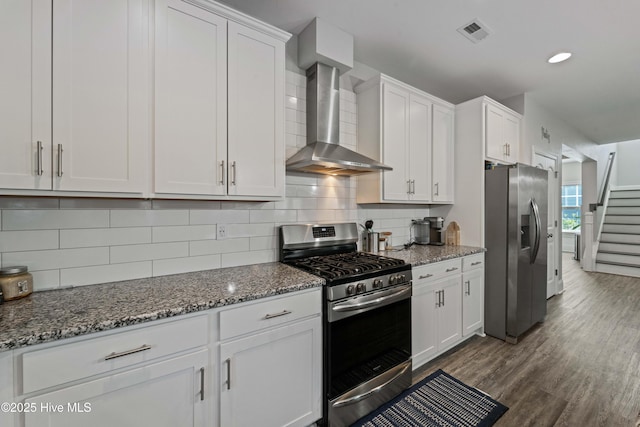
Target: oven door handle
368, 301
396, 372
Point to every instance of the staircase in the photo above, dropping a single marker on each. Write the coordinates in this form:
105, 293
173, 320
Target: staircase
619, 249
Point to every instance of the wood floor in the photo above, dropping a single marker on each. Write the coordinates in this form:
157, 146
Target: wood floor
580, 368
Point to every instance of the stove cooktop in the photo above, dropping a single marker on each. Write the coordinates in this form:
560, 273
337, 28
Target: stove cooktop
351, 265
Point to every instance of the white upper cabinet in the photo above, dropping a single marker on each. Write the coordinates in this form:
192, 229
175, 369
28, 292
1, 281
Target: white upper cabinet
256, 113
412, 132
502, 133
443, 151
77, 111
191, 100
210, 71
25, 85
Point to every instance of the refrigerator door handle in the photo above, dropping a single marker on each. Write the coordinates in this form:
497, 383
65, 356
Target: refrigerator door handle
538, 226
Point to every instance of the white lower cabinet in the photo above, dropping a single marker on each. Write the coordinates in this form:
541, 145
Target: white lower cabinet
169, 393
446, 306
273, 377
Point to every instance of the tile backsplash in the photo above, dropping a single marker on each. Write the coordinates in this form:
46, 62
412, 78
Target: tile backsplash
72, 242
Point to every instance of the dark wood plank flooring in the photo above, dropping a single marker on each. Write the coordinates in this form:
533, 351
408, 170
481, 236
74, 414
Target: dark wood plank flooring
580, 368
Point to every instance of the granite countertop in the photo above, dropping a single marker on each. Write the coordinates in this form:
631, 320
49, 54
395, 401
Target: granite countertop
64, 313
418, 255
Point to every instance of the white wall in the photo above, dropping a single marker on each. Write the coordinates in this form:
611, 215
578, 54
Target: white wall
628, 164
70, 242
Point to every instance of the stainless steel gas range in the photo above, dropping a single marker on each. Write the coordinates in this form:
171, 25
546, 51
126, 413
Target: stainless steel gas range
367, 317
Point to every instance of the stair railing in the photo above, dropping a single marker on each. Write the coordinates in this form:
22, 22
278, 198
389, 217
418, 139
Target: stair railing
605, 183
592, 237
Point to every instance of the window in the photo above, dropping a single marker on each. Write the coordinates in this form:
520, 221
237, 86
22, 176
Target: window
571, 204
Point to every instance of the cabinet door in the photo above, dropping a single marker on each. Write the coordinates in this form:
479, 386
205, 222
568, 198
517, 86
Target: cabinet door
450, 312
25, 85
424, 339
272, 379
191, 100
395, 128
495, 145
511, 135
443, 162
256, 113
420, 148
472, 301
100, 95
165, 394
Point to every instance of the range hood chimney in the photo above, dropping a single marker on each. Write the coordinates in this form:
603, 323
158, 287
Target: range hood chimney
323, 154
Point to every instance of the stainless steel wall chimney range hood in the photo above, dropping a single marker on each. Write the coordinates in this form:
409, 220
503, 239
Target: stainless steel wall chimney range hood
323, 154
325, 51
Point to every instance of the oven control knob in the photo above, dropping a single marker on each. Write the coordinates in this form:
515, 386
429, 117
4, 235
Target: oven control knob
360, 288
351, 290
403, 278
377, 284
393, 280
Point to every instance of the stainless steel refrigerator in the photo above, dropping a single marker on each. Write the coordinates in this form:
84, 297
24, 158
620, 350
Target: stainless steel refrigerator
516, 242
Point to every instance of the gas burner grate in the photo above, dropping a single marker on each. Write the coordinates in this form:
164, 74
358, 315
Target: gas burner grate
346, 264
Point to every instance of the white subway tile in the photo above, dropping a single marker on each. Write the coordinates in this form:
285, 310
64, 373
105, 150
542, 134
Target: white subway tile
247, 205
301, 141
183, 233
210, 247
347, 215
104, 204
45, 279
301, 129
164, 267
291, 127
132, 253
290, 89
290, 139
29, 203
53, 219
142, 218
14, 241
333, 203
104, 273
104, 237
303, 190
250, 230
301, 117
62, 258
223, 216
297, 203
290, 115
185, 204
263, 243
279, 215
316, 215
292, 102
301, 178
246, 258
301, 92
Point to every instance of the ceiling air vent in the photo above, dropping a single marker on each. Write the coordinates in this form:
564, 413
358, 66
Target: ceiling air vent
476, 31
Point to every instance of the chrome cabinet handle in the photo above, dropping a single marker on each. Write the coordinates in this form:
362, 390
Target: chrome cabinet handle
449, 270
228, 373
409, 186
442, 297
426, 276
468, 283
39, 170
201, 384
394, 373
60, 160
115, 355
413, 186
271, 316
476, 263
437, 188
222, 172
367, 301
233, 175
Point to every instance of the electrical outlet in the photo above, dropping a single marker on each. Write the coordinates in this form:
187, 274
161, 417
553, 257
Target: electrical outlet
222, 232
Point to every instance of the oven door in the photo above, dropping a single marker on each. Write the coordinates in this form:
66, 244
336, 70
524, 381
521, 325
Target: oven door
368, 352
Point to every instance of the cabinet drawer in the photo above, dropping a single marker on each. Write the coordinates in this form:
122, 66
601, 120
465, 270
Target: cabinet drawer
273, 312
68, 362
472, 262
437, 269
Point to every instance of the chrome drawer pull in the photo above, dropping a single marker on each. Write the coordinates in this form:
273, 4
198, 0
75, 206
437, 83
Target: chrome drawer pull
449, 270
228, 373
115, 355
426, 276
222, 172
60, 150
476, 263
39, 170
271, 316
201, 384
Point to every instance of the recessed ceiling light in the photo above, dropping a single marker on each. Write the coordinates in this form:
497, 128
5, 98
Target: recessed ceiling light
559, 57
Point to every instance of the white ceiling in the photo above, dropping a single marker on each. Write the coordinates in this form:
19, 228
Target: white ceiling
597, 90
